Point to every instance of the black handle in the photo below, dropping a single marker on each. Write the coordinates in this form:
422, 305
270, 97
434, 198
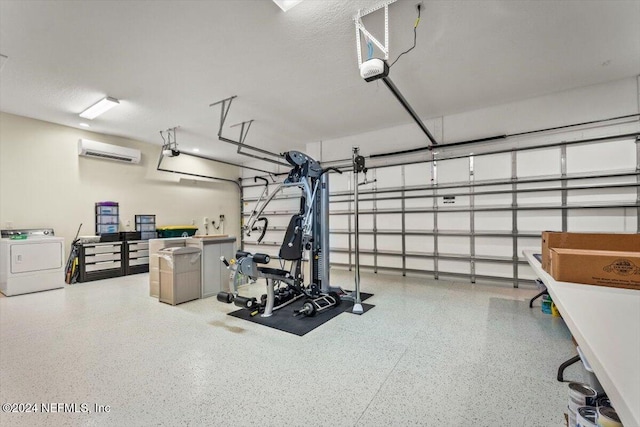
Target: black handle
264, 228
224, 261
367, 182
293, 236
242, 254
256, 178
331, 169
261, 258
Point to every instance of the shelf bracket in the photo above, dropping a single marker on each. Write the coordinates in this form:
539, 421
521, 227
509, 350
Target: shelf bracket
169, 140
225, 106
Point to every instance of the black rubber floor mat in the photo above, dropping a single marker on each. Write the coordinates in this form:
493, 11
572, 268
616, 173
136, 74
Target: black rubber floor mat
284, 319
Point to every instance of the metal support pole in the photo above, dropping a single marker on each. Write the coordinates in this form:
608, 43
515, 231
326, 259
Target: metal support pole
563, 184
386, 31
434, 182
394, 90
357, 304
349, 229
268, 310
472, 225
404, 224
325, 285
514, 215
638, 180
375, 222
356, 229
241, 212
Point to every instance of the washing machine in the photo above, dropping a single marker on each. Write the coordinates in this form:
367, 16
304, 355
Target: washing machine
31, 260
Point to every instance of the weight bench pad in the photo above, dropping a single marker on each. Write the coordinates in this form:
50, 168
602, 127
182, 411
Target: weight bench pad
274, 272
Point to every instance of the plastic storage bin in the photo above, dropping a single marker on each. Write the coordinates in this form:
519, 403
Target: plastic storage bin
106, 210
180, 274
146, 225
546, 304
145, 219
177, 231
107, 217
107, 228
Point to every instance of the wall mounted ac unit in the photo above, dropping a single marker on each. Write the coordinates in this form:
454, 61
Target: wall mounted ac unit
89, 148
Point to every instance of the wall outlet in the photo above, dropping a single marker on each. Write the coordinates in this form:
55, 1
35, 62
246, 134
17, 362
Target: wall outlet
205, 221
221, 217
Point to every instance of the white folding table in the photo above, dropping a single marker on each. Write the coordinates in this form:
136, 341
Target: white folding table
605, 322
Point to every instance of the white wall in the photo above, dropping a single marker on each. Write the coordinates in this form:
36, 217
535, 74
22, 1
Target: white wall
44, 183
584, 104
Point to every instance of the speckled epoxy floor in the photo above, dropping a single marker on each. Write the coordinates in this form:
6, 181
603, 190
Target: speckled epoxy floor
432, 353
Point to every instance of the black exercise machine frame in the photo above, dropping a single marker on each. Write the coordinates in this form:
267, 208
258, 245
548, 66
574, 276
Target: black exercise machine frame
307, 231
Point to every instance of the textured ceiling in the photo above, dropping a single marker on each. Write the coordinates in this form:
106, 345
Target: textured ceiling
295, 73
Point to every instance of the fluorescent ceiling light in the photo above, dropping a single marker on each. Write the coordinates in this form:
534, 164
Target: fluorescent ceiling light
85, 125
196, 150
100, 107
286, 4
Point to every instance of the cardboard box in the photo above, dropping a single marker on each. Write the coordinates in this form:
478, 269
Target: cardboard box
600, 241
594, 267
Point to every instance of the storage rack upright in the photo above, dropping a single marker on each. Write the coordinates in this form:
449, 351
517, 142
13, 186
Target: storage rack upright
615, 190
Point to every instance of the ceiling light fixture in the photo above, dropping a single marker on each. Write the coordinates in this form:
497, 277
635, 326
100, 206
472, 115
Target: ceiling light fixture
196, 150
100, 107
286, 4
85, 125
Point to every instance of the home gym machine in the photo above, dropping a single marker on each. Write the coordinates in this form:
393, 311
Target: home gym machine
307, 232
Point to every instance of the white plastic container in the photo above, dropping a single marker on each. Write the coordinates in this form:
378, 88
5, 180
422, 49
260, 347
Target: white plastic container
107, 210
107, 219
108, 228
146, 219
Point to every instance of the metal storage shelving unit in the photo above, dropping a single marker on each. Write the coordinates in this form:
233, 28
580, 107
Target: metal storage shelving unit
562, 186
